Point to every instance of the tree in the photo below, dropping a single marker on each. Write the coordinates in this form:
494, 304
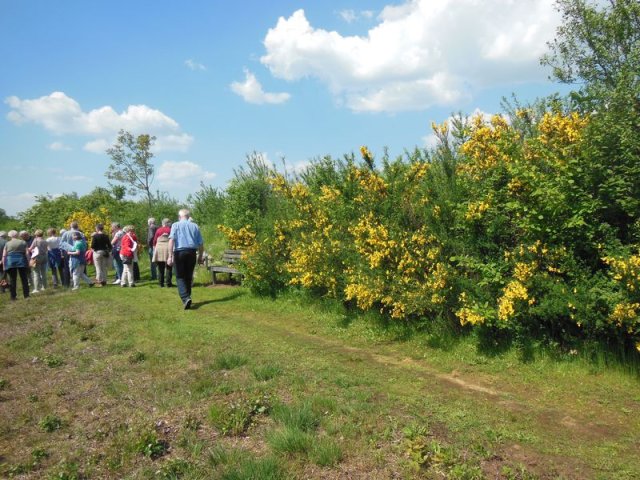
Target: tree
598, 47
131, 163
598, 44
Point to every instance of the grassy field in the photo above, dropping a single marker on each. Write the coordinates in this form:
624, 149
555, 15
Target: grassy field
122, 383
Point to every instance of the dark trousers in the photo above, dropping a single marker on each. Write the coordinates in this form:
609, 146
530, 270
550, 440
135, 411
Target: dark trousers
136, 272
162, 266
185, 262
24, 278
66, 273
154, 274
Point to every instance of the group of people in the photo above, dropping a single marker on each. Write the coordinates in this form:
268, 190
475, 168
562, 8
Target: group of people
171, 247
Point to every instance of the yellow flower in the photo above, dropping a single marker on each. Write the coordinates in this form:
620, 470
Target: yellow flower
506, 304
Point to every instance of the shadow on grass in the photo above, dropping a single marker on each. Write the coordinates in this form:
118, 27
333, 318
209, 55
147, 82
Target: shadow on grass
226, 298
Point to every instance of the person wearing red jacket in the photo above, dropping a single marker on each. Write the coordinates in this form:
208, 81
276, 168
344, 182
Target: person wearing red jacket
128, 252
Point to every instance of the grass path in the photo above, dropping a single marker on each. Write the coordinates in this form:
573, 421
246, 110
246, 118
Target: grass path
121, 383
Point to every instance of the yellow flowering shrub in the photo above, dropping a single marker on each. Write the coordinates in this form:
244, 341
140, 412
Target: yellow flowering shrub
625, 271
513, 292
87, 221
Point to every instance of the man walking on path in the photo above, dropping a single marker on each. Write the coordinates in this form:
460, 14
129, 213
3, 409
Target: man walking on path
185, 244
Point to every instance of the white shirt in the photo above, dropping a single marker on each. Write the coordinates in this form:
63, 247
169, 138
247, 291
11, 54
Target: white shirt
53, 242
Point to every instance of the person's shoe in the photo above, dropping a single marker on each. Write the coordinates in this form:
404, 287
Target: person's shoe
170, 285
35, 291
116, 282
187, 304
161, 285
91, 284
132, 285
103, 283
75, 288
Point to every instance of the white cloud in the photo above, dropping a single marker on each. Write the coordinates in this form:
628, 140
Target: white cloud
180, 143
99, 145
350, 16
193, 65
421, 53
282, 164
58, 147
182, 173
15, 203
252, 92
62, 115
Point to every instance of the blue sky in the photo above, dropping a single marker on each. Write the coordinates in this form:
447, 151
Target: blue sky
215, 80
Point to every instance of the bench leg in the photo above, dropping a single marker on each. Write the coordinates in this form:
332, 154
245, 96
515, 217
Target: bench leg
213, 277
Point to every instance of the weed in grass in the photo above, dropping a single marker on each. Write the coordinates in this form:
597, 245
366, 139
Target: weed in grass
192, 423
44, 333
230, 419
33, 398
39, 454
51, 423
67, 470
235, 417
15, 470
300, 417
137, 357
174, 469
516, 473
149, 445
431, 456
325, 452
255, 469
229, 361
290, 440
4, 384
266, 372
53, 361
415, 430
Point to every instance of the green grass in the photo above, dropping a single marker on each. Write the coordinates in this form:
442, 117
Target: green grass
326, 452
290, 440
109, 385
300, 417
266, 372
229, 361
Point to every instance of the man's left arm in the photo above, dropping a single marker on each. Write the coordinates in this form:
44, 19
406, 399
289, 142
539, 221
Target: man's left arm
200, 247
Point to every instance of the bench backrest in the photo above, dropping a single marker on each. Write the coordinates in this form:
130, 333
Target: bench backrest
232, 256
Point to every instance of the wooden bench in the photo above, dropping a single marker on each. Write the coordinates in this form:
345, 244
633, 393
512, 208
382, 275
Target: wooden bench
229, 258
